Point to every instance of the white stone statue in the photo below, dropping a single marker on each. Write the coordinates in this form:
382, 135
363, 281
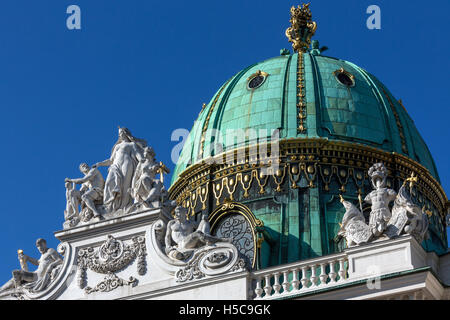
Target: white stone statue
145, 188
73, 200
380, 198
407, 217
125, 156
353, 226
184, 236
34, 281
186, 249
91, 190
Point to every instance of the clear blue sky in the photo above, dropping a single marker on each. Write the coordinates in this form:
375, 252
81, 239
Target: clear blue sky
149, 66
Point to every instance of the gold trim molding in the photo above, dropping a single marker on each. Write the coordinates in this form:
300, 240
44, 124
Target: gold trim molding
317, 160
206, 123
301, 95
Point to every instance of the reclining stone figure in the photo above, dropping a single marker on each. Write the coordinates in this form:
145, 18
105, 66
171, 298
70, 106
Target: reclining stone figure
184, 236
35, 281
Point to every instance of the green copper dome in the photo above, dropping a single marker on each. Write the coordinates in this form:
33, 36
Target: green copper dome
307, 96
334, 121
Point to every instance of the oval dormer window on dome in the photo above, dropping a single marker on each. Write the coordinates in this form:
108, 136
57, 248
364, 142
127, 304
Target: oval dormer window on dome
344, 77
256, 80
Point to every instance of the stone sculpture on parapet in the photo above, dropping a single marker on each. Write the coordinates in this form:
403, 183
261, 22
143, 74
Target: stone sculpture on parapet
380, 198
48, 266
130, 185
146, 190
353, 226
89, 196
406, 217
184, 236
186, 249
73, 200
127, 152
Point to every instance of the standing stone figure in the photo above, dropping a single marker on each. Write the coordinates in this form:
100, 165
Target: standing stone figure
184, 236
92, 187
125, 156
48, 266
380, 198
145, 188
73, 200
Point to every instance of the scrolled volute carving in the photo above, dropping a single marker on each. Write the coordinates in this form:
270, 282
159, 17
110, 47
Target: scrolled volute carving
186, 249
211, 261
111, 282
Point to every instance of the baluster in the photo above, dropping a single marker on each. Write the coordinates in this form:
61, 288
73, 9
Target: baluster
313, 278
286, 283
267, 287
342, 270
323, 274
276, 284
305, 280
295, 281
332, 273
258, 289
418, 295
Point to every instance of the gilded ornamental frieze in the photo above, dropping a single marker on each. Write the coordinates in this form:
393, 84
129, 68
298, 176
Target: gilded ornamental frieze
302, 163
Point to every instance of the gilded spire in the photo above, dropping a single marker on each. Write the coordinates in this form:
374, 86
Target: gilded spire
302, 28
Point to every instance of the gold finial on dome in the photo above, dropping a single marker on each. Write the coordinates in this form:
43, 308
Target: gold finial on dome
302, 28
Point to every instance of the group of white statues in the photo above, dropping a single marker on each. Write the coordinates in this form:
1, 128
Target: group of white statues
405, 217
130, 185
182, 239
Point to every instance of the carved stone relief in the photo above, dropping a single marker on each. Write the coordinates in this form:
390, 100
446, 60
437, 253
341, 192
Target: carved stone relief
111, 282
112, 256
185, 249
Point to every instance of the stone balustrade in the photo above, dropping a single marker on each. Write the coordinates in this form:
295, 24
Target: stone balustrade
300, 277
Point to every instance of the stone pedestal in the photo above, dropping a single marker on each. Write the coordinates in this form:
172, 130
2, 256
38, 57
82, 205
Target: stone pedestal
385, 257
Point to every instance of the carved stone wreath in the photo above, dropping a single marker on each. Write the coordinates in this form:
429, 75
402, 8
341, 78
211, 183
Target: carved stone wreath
112, 256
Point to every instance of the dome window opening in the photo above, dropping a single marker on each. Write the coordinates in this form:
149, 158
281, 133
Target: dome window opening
256, 80
344, 77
